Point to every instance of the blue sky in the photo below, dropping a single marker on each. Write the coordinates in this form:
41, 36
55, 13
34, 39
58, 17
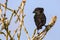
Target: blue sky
51, 8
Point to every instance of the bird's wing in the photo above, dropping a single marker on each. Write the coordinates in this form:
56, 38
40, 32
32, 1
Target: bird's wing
37, 20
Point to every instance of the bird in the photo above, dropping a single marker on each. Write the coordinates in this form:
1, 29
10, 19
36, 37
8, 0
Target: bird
39, 18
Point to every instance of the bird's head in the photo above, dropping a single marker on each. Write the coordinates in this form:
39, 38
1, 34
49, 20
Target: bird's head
38, 10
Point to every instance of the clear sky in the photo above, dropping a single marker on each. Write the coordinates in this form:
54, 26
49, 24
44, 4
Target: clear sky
51, 8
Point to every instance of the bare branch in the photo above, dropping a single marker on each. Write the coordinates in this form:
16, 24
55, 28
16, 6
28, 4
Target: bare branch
7, 7
44, 32
34, 33
3, 33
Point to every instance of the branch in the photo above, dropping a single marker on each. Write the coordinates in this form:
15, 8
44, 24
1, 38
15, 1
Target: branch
44, 32
21, 9
6, 7
34, 33
25, 30
3, 33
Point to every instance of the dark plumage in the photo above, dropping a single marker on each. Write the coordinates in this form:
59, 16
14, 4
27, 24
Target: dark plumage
39, 18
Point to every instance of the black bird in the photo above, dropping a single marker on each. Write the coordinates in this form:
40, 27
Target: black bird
39, 18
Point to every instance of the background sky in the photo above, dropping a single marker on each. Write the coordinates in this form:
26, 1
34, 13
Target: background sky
51, 8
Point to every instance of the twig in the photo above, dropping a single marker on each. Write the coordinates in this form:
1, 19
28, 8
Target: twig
0, 9
21, 21
7, 7
34, 33
26, 33
3, 33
